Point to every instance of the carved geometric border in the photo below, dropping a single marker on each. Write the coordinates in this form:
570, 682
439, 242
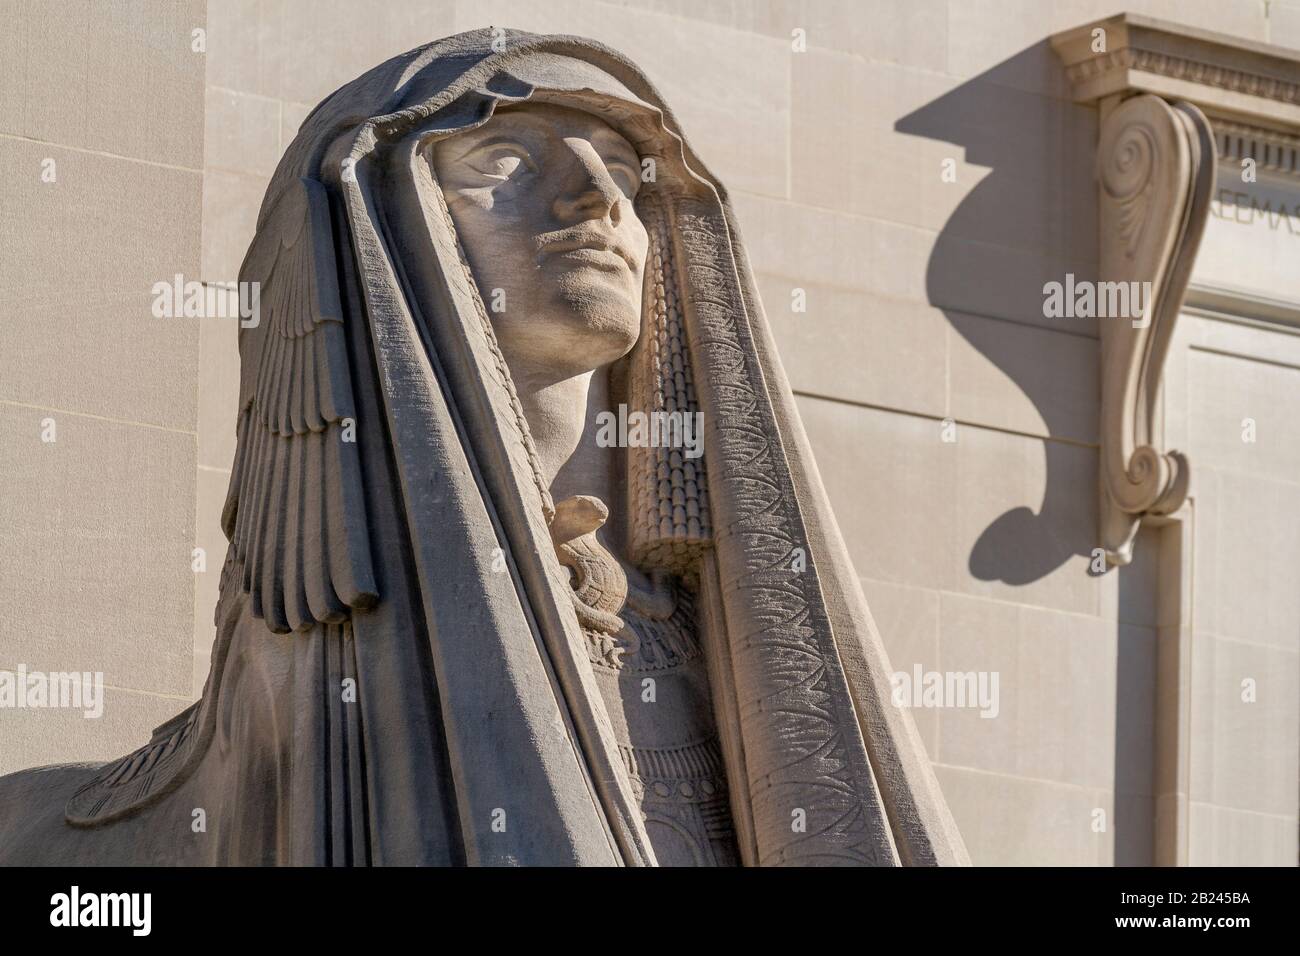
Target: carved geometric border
1188, 69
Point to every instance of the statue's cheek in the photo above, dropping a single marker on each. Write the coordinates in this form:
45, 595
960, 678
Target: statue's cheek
640, 240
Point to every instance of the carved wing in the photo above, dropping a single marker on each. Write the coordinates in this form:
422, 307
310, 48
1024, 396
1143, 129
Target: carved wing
295, 511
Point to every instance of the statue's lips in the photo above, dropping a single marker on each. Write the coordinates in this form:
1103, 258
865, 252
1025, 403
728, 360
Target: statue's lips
595, 252
597, 258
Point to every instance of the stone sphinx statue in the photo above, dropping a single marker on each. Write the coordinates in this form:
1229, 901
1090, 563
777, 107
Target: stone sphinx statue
529, 559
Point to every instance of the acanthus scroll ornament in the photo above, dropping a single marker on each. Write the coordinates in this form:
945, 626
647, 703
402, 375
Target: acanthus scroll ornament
1156, 163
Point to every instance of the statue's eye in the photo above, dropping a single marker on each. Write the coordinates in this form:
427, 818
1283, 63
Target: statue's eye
501, 161
628, 177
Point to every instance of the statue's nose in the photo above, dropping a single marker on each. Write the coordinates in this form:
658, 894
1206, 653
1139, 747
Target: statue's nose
594, 194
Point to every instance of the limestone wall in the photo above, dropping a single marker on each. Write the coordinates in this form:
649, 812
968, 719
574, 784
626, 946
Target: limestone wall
101, 179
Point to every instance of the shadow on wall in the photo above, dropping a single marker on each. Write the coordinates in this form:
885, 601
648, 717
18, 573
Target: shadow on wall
1029, 221
1021, 226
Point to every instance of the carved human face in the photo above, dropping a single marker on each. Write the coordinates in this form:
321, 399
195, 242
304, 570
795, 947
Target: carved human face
542, 201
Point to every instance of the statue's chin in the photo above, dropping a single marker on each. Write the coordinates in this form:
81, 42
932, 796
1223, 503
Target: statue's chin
601, 317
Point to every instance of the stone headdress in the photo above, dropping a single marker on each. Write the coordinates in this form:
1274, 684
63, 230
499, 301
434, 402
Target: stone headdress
386, 513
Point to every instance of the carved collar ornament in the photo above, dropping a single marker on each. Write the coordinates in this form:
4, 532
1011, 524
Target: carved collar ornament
420, 653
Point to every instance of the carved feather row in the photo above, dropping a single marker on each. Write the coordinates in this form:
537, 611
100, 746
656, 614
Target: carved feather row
295, 512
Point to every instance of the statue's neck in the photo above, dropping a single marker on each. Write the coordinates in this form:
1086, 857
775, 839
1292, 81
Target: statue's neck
562, 419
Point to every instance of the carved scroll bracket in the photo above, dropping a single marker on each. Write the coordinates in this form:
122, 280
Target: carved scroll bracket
1155, 168
1156, 165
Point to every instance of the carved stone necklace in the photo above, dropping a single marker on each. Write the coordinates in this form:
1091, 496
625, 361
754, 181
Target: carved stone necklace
643, 644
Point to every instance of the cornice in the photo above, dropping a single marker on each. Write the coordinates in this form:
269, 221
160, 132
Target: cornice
1251, 83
